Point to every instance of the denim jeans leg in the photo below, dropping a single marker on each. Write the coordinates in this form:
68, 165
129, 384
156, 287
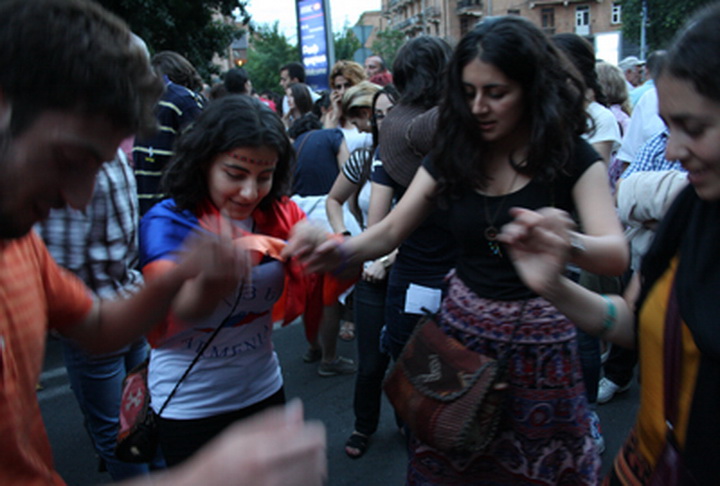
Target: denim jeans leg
96, 382
589, 351
372, 362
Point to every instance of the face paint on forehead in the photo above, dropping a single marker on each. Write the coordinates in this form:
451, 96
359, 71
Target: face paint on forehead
238, 155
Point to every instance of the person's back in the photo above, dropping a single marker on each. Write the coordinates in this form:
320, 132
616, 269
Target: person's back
317, 165
179, 106
426, 256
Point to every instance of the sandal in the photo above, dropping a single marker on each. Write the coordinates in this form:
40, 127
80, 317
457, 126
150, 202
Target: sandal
359, 443
347, 331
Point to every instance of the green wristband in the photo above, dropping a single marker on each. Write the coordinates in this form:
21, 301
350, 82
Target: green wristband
610, 316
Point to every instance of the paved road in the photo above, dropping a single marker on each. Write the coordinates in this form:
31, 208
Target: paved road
326, 399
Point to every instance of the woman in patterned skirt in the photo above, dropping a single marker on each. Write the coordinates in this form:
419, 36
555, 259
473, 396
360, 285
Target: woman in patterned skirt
512, 120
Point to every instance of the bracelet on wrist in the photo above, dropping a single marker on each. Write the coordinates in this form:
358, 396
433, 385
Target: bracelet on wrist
610, 316
577, 247
385, 261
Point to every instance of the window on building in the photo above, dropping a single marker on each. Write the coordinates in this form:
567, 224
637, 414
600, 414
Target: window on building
513, 11
616, 13
582, 20
547, 19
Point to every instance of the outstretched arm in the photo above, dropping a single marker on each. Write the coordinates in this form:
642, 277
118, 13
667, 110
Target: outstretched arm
321, 254
211, 269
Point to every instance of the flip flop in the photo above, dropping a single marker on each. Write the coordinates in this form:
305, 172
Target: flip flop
358, 442
347, 331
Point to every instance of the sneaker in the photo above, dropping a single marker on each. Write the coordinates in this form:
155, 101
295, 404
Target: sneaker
340, 366
607, 389
312, 355
596, 432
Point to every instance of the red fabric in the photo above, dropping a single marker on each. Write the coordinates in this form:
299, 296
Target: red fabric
303, 294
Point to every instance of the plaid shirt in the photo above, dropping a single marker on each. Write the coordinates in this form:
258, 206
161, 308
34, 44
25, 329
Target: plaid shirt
100, 244
651, 157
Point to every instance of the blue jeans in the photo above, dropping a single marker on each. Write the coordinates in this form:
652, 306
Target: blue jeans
369, 306
97, 384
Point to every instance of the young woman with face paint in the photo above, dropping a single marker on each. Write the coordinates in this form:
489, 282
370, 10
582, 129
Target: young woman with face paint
228, 178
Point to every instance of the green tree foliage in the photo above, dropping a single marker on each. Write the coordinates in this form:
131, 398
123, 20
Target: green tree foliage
665, 18
387, 43
346, 43
269, 50
186, 27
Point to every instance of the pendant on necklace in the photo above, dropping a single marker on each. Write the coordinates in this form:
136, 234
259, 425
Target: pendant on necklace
495, 248
491, 233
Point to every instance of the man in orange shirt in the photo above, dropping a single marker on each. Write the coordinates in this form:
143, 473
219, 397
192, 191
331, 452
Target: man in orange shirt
73, 85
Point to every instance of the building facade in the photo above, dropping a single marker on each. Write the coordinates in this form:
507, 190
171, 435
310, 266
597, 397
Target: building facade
451, 19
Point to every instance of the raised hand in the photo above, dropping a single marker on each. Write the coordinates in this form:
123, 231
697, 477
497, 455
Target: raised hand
538, 244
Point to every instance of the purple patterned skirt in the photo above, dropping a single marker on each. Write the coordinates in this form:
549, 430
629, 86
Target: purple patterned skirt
544, 436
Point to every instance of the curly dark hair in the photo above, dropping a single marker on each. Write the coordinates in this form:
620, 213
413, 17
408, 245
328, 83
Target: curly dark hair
226, 123
553, 93
73, 55
418, 71
306, 123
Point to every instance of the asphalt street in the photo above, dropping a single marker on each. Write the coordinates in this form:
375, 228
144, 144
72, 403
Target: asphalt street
325, 399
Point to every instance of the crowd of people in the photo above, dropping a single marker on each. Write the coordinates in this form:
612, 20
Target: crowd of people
545, 205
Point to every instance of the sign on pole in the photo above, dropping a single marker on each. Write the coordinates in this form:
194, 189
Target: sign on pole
316, 42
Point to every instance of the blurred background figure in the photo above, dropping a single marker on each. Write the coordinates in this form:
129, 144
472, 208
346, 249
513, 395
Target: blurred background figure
180, 105
633, 70
376, 71
237, 81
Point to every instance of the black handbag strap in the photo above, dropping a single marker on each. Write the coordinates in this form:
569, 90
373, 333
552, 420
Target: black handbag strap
672, 353
202, 350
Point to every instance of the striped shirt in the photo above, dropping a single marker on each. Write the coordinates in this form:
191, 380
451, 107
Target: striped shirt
178, 107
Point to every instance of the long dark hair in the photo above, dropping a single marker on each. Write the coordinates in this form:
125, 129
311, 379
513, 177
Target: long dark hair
418, 71
301, 97
581, 53
553, 94
226, 123
693, 55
